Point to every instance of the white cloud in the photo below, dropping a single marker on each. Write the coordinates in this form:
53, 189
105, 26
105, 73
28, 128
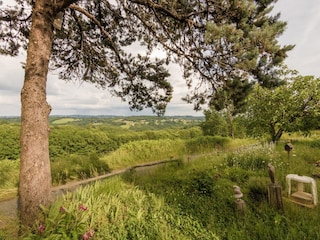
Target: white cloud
74, 98
303, 31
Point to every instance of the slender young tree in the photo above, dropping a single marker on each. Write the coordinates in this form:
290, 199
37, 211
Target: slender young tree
89, 41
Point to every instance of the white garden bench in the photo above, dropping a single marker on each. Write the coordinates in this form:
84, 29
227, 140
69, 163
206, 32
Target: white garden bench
300, 196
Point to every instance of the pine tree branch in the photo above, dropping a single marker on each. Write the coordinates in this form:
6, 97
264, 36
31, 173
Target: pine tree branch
104, 32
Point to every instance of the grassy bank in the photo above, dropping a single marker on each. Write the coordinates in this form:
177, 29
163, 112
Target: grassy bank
190, 200
184, 199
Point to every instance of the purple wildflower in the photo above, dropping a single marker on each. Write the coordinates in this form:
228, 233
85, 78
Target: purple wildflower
88, 235
82, 207
41, 228
62, 209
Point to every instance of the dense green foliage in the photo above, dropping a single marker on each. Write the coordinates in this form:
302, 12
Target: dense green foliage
220, 123
9, 172
291, 107
206, 144
203, 189
189, 200
10, 141
83, 147
99, 135
75, 167
116, 210
186, 199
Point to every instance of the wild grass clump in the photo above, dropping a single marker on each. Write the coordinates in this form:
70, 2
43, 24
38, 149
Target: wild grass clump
203, 189
257, 188
9, 178
121, 212
9, 172
9, 228
206, 144
191, 190
77, 167
143, 151
252, 158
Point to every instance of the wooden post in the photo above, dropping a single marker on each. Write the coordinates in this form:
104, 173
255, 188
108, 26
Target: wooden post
240, 206
275, 196
288, 147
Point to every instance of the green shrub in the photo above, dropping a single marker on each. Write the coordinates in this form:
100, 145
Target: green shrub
206, 143
10, 141
258, 188
201, 183
314, 143
237, 174
9, 173
124, 212
66, 140
75, 167
143, 151
252, 158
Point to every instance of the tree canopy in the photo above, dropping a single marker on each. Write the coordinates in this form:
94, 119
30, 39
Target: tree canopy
291, 107
216, 42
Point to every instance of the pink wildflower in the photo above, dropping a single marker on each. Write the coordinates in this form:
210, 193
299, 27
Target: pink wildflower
82, 207
88, 235
41, 228
62, 209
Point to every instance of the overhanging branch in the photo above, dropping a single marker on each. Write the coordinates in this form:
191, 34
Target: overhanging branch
104, 32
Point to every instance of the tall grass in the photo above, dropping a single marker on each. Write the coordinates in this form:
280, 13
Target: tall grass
187, 200
77, 167
115, 210
136, 152
203, 189
9, 178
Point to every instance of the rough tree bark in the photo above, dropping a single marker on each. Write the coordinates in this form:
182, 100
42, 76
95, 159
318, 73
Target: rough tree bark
35, 173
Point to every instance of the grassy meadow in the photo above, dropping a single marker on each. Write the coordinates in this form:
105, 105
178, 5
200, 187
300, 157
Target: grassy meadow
191, 197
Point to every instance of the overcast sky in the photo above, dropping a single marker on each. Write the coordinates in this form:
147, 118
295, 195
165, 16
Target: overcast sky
74, 98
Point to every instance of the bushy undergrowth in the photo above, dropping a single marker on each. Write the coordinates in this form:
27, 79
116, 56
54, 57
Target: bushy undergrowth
101, 139
9, 172
143, 151
204, 191
9, 144
191, 199
120, 212
206, 143
76, 167
9, 179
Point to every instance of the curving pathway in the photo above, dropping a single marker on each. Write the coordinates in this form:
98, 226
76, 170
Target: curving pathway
9, 207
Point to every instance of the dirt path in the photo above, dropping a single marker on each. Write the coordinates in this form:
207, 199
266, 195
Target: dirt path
9, 207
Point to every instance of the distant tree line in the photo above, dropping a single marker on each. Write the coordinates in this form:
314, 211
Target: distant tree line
85, 140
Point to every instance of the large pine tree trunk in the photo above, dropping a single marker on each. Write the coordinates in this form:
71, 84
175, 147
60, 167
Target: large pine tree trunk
35, 173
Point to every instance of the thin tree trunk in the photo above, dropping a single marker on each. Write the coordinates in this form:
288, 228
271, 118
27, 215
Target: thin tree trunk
231, 127
35, 173
230, 119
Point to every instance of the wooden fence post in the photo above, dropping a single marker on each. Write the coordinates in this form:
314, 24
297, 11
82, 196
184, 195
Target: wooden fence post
275, 196
240, 206
274, 190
